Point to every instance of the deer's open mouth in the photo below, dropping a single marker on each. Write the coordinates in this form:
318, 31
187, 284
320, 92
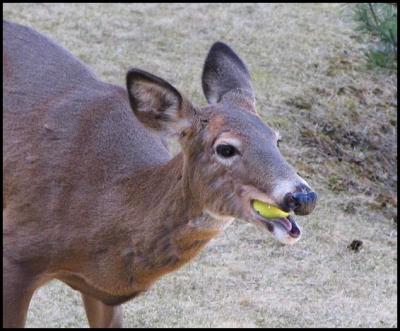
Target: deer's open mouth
285, 229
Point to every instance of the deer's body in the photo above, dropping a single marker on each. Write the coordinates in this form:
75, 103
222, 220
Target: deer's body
83, 145
90, 195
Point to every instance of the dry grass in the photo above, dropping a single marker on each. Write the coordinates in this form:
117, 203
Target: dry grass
309, 77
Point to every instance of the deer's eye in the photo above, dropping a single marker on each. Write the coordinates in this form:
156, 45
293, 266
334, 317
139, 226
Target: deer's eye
277, 143
226, 150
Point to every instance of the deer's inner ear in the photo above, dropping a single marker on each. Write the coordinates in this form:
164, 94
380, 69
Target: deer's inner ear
156, 103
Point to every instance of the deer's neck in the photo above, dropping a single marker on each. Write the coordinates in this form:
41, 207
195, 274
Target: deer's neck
167, 225
161, 194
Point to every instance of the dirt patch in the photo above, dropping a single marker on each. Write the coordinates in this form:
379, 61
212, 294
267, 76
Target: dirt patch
352, 130
355, 245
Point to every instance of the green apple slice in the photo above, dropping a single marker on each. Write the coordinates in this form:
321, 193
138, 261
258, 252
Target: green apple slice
268, 211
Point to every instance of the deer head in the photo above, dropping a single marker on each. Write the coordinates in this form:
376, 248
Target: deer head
231, 156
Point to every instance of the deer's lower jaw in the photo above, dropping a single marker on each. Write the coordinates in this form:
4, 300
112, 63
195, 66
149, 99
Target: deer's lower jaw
284, 229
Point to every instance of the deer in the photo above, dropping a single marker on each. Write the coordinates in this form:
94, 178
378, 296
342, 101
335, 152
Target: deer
92, 195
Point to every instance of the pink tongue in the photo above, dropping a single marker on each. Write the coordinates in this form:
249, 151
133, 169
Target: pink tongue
286, 223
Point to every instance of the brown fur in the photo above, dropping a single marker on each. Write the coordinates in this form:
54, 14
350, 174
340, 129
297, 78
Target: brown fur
92, 197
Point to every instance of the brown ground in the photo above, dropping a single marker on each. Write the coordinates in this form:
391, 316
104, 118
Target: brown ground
338, 123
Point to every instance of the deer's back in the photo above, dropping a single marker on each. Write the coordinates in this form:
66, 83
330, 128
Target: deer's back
67, 135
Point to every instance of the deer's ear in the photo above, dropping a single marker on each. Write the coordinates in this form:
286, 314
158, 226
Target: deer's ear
223, 72
157, 104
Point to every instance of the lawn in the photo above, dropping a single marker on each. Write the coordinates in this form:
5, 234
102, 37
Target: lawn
338, 125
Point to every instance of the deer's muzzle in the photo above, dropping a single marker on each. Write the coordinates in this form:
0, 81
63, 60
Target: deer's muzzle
302, 203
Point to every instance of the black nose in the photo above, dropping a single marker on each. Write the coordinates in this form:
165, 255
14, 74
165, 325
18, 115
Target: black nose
301, 203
